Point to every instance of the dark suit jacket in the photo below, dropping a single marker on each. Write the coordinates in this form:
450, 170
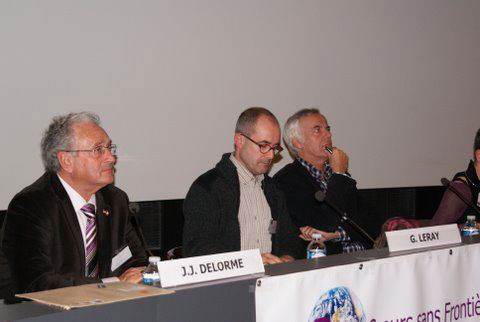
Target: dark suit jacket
43, 242
299, 188
211, 214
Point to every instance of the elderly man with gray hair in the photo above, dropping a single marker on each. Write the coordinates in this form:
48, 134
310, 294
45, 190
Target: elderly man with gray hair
318, 166
71, 226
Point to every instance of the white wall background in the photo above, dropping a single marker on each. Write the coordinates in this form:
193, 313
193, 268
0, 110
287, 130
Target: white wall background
399, 82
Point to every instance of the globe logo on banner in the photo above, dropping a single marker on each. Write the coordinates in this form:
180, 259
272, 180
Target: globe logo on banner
338, 305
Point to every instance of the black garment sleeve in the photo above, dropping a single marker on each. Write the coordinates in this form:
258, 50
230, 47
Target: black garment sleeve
286, 241
202, 225
342, 192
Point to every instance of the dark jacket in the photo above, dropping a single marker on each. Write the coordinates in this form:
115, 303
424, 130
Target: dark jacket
299, 188
43, 242
211, 214
473, 183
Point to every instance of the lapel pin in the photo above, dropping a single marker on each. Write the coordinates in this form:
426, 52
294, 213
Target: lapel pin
106, 212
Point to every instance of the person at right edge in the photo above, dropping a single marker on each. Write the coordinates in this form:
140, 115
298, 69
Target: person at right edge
307, 135
452, 209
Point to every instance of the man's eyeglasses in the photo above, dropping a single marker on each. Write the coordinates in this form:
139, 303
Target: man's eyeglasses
98, 151
265, 148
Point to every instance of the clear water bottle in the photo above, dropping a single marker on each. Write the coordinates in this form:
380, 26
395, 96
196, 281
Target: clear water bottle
470, 227
150, 274
316, 248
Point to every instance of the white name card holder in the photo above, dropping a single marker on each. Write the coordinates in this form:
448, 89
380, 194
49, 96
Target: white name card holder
210, 267
409, 239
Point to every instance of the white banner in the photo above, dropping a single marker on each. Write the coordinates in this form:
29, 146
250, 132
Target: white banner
432, 286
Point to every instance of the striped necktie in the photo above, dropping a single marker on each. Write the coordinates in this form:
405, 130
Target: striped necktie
91, 265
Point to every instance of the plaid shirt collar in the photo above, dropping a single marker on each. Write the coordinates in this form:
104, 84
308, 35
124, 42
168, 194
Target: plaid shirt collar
320, 177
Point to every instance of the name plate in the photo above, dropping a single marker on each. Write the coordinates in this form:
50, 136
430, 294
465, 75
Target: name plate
407, 239
210, 267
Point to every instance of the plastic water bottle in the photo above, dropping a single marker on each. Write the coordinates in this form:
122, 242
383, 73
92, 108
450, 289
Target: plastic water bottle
150, 274
316, 248
470, 227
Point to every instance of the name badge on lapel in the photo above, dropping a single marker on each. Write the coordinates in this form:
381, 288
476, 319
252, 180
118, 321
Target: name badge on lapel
118, 260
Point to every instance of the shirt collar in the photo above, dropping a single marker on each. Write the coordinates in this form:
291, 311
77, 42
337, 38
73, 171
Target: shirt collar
320, 177
244, 175
77, 201
313, 169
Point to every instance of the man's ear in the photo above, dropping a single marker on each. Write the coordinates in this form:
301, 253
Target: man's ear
297, 144
66, 161
238, 140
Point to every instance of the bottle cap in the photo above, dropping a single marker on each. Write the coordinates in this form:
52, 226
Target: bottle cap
317, 236
471, 217
153, 259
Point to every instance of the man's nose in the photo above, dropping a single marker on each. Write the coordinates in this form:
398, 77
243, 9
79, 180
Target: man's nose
109, 156
270, 154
